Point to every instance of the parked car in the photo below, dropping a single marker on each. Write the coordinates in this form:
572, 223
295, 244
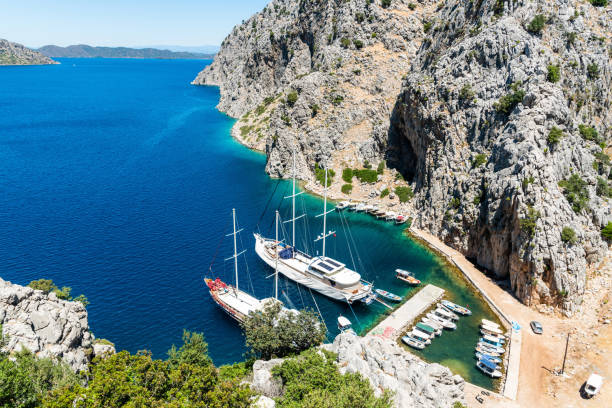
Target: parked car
536, 327
593, 385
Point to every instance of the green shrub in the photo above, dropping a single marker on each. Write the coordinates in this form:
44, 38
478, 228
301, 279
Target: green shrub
337, 99
411, 6
313, 380
527, 181
285, 118
314, 109
593, 71
46, 285
575, 191
404, 193
529, 223
568, 235
427, 26
466, 93
385, 3
606, 232
588, 133
555, 135
271, 333
554, 73
479, 160
571, 37
508, 102
347, 188
292, 98
345, 42
603, 189
366, 164
347, 175
599, 3
455, 203
366, 175
537, 24
320, 175
358, 44
381, 167
498, 8
384, 193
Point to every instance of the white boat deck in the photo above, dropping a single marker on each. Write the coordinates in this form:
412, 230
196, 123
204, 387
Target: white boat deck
394, 325
243, 302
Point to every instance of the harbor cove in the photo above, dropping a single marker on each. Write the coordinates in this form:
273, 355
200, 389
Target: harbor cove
131, 180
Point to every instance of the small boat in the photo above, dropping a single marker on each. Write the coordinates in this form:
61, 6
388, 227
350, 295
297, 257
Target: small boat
492, 348
373, 210
345, 325
488, 368
342, 205
390, 216
428, 329
414, 343
495, 338
481, 356
379, 213
492, 331
368, 207
493, 363
351, 206
486, 322
432, 323
447, 324
487, 351
456, 308
445, 314
369, 299
420, 336
406, 276
388, 295
401, 219
360, 207
491, 340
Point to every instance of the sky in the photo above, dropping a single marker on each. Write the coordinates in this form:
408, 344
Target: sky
35, 23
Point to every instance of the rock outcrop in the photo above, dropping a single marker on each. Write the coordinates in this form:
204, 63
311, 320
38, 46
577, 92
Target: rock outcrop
483, 108
387, 366
16, 54
47, 326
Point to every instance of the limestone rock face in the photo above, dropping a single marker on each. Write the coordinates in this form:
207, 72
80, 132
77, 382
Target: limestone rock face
16, 54
457, 96
46, 326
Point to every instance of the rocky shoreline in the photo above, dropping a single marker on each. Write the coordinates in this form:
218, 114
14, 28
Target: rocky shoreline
16, 54
461, 100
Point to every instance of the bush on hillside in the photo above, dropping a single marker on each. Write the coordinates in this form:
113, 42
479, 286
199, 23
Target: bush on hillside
508, 102
554, 73
568, 235
347, 175
366, 175
606, 232
404, 193
347, 188
555, 135
575, 191
320, 175
47, 286
536, 25
529, 222
292, 98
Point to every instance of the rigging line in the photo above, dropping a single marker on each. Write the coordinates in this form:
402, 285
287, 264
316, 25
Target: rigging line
217, 250
354, 314
306, 230
246, 264
361, 265
318, 310
268, 203
344, 227
301, 298
280, 200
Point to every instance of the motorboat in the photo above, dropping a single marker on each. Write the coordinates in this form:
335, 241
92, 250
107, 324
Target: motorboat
342, 205
420, 336
345, 325
492, 331
432, 323
446, 314
388, 295
414, 343
481, 356
492, 340
485, 350
369, 299
493, 363
488, 368
447, 324
428, 329
456, 308
486, 322
407, 276
491, 347
401, 219
495, 338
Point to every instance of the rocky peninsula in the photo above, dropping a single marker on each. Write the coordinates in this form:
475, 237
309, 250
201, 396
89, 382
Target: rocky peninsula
495, 114
16, 54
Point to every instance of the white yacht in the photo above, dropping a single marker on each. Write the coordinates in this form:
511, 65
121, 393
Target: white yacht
326, 275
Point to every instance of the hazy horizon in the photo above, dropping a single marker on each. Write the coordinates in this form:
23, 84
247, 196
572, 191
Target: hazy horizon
116, 23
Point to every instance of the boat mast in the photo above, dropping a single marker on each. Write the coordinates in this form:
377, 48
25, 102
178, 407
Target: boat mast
276, 264
293, 205
324, 210
235, 247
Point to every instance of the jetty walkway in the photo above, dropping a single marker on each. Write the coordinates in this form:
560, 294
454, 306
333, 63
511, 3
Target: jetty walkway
477, 279
394, 324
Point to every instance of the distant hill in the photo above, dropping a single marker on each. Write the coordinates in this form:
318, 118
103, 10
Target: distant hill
198, 49
16, 54
87, 51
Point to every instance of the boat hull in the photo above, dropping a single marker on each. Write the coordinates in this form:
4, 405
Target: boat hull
299, 276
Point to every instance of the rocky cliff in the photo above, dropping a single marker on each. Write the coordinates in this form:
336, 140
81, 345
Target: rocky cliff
16, 54
496, 113
413, 382
47, 326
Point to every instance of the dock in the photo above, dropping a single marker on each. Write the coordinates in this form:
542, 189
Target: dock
393, 326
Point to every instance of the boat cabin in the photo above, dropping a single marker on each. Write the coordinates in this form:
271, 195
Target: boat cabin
335, 272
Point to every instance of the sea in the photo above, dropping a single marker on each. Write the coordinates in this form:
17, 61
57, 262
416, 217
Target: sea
118, 179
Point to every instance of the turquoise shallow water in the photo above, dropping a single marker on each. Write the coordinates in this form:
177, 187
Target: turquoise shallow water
118, 178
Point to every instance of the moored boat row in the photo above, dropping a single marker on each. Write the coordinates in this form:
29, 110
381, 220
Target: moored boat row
373, 210
489, 349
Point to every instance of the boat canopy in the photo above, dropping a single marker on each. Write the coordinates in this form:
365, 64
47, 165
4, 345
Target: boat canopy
425, 328
287, 253
489, 364
343, 322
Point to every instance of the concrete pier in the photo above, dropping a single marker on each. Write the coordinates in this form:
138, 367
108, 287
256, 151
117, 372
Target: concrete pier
393, 326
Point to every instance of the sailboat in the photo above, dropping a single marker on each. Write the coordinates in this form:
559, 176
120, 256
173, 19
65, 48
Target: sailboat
236, 302
326, 275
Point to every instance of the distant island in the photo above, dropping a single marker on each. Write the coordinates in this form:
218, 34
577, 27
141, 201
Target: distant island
16, 54
87, 51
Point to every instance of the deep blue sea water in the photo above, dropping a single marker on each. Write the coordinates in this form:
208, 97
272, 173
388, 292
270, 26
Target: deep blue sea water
117, 178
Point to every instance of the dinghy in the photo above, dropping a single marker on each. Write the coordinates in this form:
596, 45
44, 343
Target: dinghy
401, 219
447, 324
493, 338
369, 299
490, 347
342, 205
420, 336
388, 295
414, 343
345, 325
493, 363
407, 276
445, 314
487, 351
491, 330
480, 356
488, 368
489, 323
428, 329
432, 323
456, 308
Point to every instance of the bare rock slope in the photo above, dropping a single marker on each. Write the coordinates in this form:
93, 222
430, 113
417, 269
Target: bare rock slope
16, 54
47, 326
496, 113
